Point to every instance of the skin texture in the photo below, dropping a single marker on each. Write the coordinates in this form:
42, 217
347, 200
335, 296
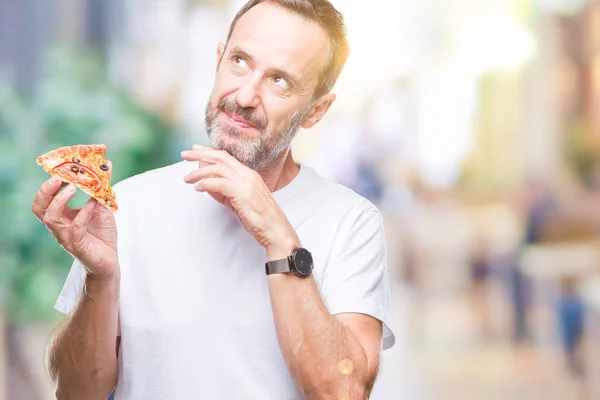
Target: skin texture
264, 91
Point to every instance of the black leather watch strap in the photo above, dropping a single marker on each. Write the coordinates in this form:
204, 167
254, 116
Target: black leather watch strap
278, 266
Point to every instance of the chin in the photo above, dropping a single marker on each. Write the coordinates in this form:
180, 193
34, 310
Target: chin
244, 150
247, 149
234, 144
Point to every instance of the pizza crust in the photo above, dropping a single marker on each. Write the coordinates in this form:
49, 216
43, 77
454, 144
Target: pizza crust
88, 157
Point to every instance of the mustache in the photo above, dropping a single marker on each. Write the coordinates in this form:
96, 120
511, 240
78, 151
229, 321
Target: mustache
248, 113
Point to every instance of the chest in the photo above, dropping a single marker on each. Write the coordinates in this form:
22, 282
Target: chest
200, 267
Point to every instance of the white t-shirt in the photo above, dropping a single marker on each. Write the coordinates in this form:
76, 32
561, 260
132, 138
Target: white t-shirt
195, 315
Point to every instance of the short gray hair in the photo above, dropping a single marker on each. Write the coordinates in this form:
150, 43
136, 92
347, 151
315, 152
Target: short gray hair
330, 19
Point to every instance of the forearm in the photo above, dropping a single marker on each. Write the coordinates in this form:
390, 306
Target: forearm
81, 357
324, 357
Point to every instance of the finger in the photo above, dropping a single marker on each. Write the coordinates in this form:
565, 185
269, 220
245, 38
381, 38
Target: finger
218, 185
196, 154
208, 171
44, 196
55, 213
204, 164
210, 155
71, 213
207, 155
83, 218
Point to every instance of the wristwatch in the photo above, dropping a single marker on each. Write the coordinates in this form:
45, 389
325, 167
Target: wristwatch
300, 263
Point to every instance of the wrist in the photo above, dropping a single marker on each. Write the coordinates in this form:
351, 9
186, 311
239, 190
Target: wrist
111, 277
282, 247
103, 285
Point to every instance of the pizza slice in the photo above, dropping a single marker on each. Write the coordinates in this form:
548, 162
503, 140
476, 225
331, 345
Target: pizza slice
86, 167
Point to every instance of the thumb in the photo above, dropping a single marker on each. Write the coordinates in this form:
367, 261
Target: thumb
103, 217
82, 220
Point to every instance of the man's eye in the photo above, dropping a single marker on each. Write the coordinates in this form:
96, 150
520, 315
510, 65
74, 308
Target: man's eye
281, 82
239, 61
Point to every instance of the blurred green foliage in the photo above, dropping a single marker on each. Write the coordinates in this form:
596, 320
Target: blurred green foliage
73, 104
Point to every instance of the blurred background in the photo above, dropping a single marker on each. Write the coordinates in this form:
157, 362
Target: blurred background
474, 125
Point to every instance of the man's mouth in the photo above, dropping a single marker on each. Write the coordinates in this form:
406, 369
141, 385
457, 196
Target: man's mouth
240, 121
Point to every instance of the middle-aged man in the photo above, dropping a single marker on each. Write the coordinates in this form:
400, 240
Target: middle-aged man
237, 273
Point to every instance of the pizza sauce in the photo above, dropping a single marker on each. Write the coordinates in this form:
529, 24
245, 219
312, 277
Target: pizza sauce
79, 173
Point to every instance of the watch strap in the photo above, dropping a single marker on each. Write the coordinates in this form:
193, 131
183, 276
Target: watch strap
278, 266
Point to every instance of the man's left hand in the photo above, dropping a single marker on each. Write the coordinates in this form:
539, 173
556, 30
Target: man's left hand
243, 191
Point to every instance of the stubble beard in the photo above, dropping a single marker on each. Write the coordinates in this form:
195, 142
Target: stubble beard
256, 153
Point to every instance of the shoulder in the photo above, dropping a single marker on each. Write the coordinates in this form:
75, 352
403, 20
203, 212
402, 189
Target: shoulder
335, 205
336, 196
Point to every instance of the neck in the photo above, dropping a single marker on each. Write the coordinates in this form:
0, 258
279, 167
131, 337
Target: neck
281, 172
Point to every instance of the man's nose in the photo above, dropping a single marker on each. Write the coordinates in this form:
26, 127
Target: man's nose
248, 94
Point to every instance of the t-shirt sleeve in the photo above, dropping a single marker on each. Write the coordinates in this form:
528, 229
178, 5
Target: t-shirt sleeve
356, 279
71, 292
72, 289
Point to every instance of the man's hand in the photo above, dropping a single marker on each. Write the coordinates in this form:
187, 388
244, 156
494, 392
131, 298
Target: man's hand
88, 234
243, 191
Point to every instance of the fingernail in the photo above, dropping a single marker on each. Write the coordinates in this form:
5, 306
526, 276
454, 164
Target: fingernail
185, 153
70, 189
198, 147
54, 180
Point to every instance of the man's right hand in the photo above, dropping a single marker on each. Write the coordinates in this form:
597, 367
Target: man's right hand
88, 234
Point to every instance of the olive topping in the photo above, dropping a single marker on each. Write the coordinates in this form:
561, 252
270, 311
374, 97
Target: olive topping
76, 160
75, 168
104, 167
81, 170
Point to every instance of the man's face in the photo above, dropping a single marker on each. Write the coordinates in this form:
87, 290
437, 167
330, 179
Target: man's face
265, 84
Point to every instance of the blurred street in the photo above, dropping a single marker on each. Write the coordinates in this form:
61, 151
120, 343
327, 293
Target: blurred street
442, 355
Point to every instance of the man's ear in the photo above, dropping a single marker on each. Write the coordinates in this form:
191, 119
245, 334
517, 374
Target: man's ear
319, 110
220, 52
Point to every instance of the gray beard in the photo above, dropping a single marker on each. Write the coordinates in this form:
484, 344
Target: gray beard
255, 153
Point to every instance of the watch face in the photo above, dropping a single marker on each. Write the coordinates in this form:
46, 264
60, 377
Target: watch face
303, 261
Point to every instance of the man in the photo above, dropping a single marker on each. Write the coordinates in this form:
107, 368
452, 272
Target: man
237, 274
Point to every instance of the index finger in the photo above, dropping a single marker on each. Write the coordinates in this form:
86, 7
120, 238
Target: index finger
210, 155
45, 194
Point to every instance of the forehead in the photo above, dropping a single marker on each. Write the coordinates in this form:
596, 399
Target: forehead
278, 38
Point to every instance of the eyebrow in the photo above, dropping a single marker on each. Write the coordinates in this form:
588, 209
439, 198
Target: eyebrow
293, 78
